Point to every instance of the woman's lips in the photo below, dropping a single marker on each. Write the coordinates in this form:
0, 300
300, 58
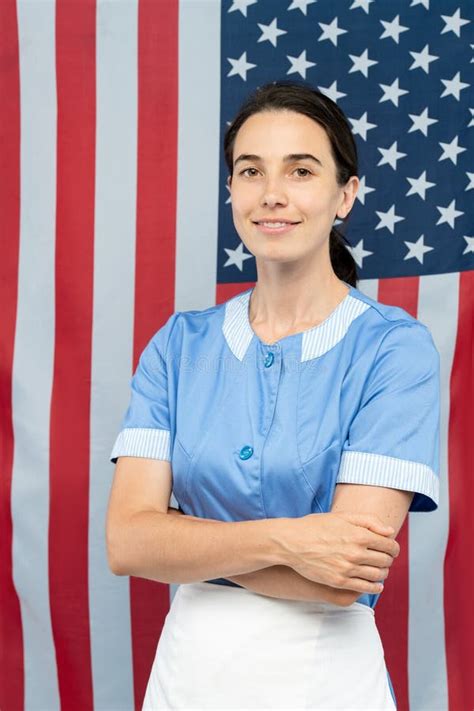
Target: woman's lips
276, 228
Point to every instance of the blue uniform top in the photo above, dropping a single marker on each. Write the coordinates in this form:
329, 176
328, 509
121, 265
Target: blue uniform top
254, 430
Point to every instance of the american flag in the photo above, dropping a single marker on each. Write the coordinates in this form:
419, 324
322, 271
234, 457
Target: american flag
115, 214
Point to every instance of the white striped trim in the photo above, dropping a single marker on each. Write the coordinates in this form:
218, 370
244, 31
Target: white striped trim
380, 470
315, 341
322, 338
237, 330
142, 442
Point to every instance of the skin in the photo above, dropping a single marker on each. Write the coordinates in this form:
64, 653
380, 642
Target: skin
297, 286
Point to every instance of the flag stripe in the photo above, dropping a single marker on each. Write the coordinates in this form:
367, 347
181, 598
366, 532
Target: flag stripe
458, 569
198, 154
393, 605
112, 334
437, 309
70, 403
155, 256
11, 633
32, 382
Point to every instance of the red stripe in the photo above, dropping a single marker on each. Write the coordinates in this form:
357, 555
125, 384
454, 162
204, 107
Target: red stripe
224, 292
70, 405
11, 634
393, 605
458, 569
155, 256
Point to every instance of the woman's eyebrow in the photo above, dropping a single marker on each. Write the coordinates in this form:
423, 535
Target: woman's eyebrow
288, 159
302, 156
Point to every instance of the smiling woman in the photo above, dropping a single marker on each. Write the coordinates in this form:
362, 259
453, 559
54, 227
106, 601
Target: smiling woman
294, 457
292, 171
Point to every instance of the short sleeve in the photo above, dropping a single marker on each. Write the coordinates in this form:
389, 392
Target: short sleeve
145, 427
393, 440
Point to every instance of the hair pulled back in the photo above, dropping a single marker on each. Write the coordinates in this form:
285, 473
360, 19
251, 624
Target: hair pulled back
303, 99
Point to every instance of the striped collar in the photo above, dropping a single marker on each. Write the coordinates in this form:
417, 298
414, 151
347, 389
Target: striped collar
315, 341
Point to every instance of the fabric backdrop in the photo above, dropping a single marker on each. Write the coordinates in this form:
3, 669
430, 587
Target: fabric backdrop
114, 214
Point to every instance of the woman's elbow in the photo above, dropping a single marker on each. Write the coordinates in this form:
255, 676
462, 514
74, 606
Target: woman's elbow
114, 560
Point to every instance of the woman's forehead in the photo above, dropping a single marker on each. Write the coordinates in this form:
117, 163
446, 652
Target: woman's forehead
281, 133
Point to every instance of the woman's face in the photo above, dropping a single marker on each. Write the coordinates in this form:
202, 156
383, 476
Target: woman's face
284, 192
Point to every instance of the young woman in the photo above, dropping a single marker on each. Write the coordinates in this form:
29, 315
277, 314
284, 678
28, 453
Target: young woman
297, 424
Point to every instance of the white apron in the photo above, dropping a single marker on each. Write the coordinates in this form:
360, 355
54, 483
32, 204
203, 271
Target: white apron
225, 647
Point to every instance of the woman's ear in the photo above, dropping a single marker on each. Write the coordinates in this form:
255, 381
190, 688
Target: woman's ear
349, 196
229, 180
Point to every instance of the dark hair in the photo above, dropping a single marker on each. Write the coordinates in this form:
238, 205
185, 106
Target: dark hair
303, 99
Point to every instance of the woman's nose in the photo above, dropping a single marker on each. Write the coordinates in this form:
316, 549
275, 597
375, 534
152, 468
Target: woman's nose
273, 194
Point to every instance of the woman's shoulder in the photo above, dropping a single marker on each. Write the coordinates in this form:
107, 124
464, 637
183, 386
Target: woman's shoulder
386, 316
388, 328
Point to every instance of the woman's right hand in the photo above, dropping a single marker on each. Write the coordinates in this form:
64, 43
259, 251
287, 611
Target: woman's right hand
349, 551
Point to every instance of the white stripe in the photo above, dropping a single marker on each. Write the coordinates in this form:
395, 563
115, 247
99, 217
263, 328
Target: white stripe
33, 374
369, 287
112, 335
198, 154
380, 470
199, 149
142, 442
428, 534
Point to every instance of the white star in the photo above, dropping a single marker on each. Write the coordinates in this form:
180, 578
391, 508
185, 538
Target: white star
425, 3
423, 59
392, 92
229, 199
359, 253
361, 63
390, 155
270, 32
240, 66
241, 5
421, 122
363, 190
449, 214
332, 91
388, 219
453, 23
417, 249
301, 5
451, 150
361, 126
472, 120
331, 31
470, 244
472, 58
454, 86
300, 64
364, 4
470, 185
393, 29
420, 185
237, 256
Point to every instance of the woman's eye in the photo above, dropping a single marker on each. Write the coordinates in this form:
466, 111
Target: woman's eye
250, 172
303, 172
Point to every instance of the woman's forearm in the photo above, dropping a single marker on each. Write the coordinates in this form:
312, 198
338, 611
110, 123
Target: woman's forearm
283, 582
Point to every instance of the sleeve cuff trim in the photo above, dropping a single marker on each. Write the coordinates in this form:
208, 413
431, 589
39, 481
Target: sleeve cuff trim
381, 470
142, 442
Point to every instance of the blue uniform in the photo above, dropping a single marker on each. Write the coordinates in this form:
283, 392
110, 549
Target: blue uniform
254, 430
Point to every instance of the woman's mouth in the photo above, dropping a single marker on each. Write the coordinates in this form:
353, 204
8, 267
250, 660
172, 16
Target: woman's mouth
271, 227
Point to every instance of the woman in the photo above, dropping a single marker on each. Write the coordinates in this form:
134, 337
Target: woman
300, 422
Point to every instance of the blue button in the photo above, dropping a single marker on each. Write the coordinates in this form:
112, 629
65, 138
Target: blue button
269, 359
246, 452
